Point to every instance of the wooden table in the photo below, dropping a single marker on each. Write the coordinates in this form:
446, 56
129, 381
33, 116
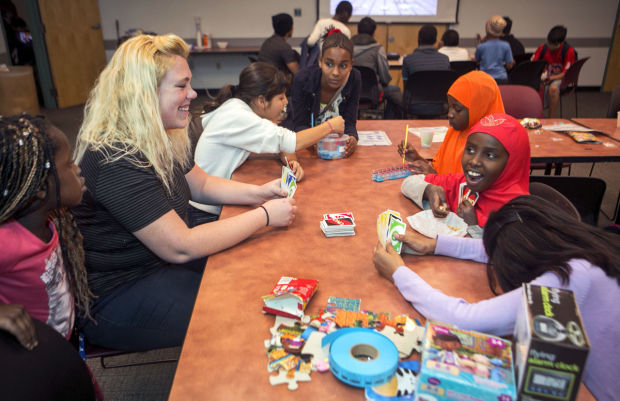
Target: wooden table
223, 356
605, 125
545, 146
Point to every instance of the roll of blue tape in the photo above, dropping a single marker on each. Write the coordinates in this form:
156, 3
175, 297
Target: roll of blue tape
362, 357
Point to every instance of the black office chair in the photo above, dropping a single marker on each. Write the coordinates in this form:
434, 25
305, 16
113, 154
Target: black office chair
463, 67
555, 197
369, 95
521, 58
425, 94
585, 193
614, 103
90, 351
527, 73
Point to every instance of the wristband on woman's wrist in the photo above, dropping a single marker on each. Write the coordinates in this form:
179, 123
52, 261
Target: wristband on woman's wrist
330, 125
266, 214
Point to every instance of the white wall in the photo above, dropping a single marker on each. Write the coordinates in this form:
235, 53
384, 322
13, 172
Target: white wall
221, 18
534, 18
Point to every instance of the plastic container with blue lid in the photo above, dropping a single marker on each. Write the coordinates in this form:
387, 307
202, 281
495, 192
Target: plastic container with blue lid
332, 147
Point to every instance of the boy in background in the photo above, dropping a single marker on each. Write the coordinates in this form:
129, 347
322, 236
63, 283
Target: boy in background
368, 53
494, 55
276, 50
449, 45
559, 56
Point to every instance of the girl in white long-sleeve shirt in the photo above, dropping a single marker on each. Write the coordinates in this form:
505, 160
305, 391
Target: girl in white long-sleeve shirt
244, 119
527, 240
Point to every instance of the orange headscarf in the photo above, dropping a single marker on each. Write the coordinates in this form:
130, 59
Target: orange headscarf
478, 92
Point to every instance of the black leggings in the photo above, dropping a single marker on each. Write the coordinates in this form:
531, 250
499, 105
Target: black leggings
52, 371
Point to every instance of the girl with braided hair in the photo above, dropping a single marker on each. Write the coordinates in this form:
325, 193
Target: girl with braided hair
42, 273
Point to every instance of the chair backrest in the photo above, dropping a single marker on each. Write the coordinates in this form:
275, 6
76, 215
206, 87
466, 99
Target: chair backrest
370, 85
521, 58
585, 193
555, 197
571, 77
463, 67
527, 73
425, 93
521, 101
614, 103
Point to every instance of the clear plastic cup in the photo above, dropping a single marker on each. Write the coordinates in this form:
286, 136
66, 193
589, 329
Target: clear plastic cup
426, 139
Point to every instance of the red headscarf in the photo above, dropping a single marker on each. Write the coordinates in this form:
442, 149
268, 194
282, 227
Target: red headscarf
479, 92
514, 179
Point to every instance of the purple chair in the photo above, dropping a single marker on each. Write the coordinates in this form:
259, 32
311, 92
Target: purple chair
521, 101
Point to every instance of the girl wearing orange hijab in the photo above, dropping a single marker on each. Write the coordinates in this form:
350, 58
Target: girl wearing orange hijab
471, 97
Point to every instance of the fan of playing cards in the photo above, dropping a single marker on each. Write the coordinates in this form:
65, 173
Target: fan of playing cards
388, 224
288, 181
338, 224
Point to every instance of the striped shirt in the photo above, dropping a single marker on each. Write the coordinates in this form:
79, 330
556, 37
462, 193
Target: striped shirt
425, 58
121, 199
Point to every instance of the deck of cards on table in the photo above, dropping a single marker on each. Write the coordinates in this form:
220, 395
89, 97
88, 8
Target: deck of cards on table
338, 224
290, 296
288, 181
388, 224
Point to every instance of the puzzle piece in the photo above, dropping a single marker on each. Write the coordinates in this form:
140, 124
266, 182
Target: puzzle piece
282, 377
411, 338
281, 320
313, 347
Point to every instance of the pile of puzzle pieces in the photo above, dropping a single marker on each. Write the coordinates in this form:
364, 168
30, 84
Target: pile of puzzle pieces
295, 348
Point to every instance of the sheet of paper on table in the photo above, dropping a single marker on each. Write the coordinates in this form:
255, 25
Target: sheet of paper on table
439, 133
373, 138
566, 127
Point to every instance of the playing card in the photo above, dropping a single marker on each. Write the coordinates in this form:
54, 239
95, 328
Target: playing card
389, 223
346, 221
288, 181
292, 187
338, 216
396, 227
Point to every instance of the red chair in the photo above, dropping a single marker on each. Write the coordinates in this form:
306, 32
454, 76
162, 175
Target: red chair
570, 81
521, 101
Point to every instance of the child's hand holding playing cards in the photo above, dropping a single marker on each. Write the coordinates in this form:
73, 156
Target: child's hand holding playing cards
297, 170
386, 260
418, 242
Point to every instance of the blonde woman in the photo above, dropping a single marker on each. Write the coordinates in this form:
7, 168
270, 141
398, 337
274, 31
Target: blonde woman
144, 263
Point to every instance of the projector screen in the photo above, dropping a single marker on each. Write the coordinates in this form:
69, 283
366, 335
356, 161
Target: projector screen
420, 11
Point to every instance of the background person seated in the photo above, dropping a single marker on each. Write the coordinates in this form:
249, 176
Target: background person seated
449, 45
276, 50
559, 56
424, 58
368, 53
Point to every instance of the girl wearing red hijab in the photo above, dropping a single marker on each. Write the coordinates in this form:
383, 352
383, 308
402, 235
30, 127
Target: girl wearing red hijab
471, 97
495, 169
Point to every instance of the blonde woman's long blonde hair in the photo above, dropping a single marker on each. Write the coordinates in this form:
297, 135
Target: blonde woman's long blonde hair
121, 116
